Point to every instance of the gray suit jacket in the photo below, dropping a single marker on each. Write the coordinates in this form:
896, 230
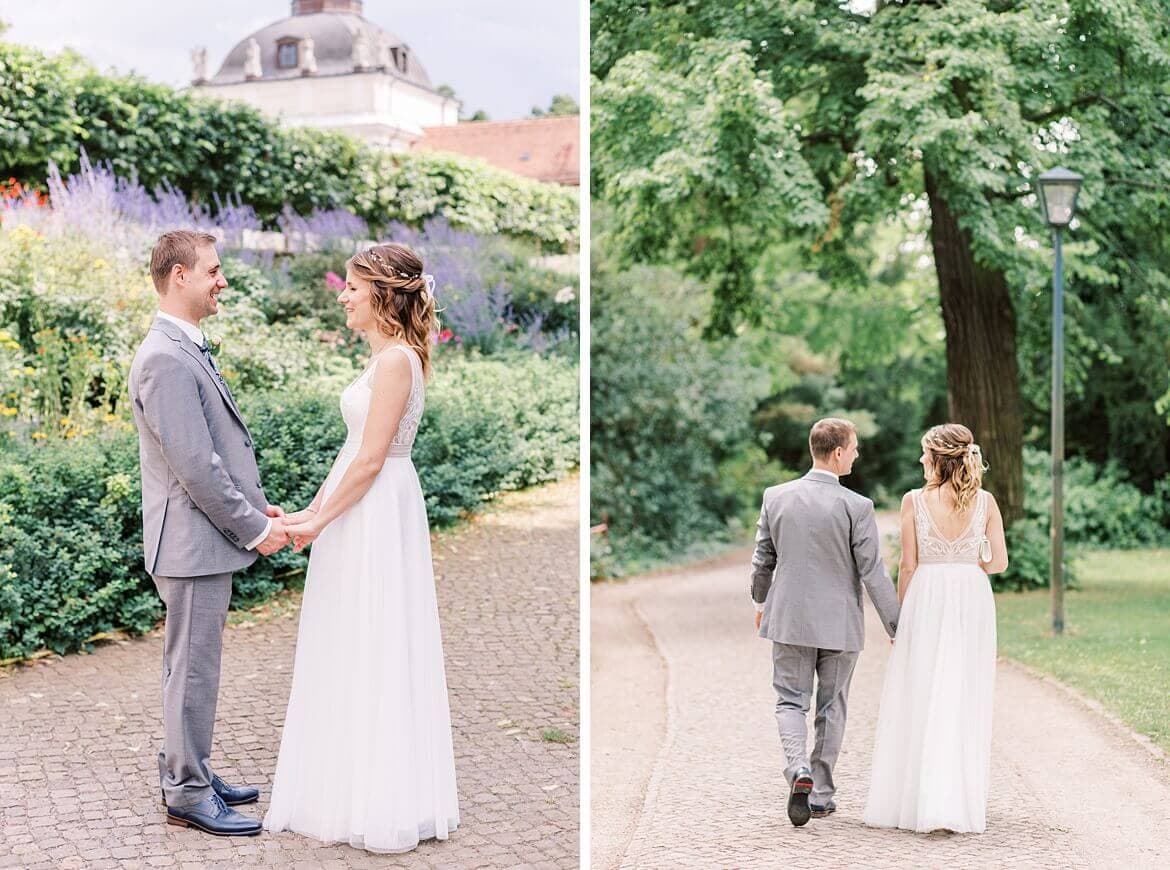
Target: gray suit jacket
816, 546
202, 501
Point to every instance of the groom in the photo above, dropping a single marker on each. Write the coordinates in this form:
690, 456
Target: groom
204, 516
816, 546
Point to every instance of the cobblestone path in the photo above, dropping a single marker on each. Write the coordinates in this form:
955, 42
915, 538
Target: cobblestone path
78, 735
699, 783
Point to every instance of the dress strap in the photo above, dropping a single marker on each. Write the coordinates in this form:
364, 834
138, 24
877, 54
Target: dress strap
919, 504
411, 354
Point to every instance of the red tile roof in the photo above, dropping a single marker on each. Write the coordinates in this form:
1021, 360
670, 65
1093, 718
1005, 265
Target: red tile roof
546, 149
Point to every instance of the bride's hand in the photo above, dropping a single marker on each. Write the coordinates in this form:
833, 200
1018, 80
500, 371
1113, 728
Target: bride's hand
301, 516
303, 533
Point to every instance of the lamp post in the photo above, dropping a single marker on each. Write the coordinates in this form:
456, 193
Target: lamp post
1058, 202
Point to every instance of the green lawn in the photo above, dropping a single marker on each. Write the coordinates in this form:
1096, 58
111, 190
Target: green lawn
1116, 643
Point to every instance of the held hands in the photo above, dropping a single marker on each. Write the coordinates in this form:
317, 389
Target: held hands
277, 537
304, 529
759, 618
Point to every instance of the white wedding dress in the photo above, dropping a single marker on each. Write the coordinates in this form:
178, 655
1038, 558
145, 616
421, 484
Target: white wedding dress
932, 748
366, 756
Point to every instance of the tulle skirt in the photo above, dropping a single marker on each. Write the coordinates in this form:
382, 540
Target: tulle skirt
932, 747
365, 756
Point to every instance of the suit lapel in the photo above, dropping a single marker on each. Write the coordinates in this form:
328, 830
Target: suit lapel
189, 347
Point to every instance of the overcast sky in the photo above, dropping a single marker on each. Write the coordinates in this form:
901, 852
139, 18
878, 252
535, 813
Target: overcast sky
503, 56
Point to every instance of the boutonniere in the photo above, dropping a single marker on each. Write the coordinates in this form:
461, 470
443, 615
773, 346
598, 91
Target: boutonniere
216, 344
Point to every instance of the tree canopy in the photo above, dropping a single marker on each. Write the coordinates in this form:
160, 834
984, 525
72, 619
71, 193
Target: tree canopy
720, 129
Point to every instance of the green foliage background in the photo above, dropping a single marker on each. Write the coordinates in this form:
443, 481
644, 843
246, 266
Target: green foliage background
71, 511
777, 156
51, 107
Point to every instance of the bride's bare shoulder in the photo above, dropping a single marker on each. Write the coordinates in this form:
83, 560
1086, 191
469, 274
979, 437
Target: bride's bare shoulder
391, 363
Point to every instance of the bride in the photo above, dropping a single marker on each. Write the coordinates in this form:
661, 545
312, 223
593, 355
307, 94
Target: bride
932, 748
366, 756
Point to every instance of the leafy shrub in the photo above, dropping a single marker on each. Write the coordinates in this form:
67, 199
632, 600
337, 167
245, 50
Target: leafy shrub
70, 511
70, 534
670, 416
1101, 507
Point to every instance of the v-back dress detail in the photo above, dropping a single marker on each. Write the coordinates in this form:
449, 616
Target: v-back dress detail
932, 747
366, 755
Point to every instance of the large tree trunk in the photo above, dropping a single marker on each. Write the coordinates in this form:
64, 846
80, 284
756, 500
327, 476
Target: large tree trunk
983, 380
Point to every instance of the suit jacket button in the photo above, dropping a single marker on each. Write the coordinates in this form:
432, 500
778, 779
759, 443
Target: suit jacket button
247, 443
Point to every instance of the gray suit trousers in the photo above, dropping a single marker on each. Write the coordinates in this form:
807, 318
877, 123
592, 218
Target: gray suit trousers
793, 668
193, 641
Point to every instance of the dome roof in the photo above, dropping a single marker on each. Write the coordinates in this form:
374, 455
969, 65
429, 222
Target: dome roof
333, 36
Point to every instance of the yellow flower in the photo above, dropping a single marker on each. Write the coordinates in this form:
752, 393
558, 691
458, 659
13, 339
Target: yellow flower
110, 418
25, 234
29, 370
39, 435
65, 421
5, 335
8, 412
99, 263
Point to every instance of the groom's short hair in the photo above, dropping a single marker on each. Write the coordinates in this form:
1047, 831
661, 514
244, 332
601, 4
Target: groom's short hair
829, 434
175, 248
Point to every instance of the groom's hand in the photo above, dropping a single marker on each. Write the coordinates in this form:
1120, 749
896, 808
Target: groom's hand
277, 538
274, 511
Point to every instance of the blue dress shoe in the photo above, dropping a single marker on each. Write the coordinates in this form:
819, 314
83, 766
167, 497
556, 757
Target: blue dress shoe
822, 812
215, 817
232, 795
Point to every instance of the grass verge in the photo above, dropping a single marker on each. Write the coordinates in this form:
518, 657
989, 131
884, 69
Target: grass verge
1116, 643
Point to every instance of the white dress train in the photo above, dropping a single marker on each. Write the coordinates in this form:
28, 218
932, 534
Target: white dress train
932, 748
366, 756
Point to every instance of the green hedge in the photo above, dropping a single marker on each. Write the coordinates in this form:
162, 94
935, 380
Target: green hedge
51, 107
70, 510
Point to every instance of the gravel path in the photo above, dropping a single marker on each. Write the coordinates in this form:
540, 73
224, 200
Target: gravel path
686, 768
78, 735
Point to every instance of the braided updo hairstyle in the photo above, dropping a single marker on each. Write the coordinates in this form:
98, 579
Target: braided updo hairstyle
957, 460
403, 305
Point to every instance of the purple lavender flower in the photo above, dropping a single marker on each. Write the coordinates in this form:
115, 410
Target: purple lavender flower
323, 229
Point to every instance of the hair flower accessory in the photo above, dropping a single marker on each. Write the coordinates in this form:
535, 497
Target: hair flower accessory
429, 280
973, 449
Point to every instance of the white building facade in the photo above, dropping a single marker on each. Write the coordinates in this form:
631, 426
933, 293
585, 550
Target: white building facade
326, 66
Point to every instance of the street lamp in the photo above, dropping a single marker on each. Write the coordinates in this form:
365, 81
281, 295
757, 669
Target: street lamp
1058, 202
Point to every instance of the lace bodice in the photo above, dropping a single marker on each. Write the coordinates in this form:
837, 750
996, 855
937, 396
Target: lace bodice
355, 406
934, 548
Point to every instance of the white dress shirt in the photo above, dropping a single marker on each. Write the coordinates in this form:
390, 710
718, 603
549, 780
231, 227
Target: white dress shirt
196, 335
826, 473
